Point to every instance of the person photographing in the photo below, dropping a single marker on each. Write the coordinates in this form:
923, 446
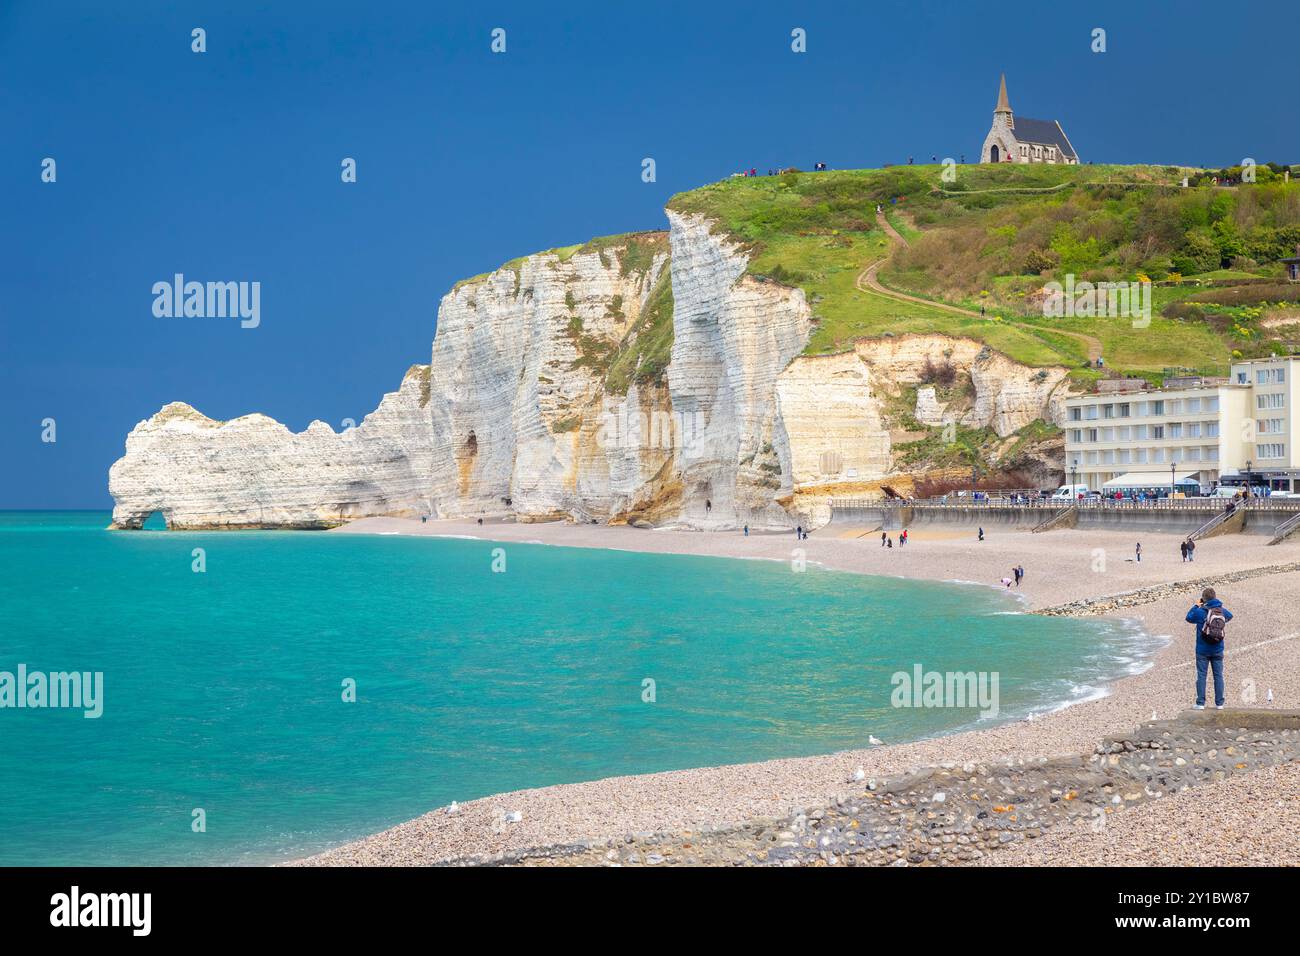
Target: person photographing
1211, 619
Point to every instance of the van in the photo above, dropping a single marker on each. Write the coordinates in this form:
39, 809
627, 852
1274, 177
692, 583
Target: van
1070, 492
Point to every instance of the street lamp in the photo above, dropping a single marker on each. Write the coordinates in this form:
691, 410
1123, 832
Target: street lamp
1074, 485
1248, 485
974, 481
1172, 479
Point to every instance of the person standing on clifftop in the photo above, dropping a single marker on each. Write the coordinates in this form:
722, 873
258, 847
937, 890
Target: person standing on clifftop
1211, 619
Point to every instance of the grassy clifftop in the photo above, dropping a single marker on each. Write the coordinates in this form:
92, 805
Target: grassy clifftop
992, 236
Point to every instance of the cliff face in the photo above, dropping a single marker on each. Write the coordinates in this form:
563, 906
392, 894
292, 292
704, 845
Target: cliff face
733, 335
638, 377
522, 421
252, 472
835, 407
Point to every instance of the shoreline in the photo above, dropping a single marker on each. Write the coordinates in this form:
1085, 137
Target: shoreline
1063, 568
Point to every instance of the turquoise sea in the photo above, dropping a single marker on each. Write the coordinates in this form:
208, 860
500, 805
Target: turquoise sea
223, 690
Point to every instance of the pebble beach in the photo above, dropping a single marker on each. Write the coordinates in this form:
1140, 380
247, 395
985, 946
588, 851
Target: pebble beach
1067, 571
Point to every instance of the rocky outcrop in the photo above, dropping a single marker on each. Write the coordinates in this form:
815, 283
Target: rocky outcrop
253, 472
647, 377
834, 408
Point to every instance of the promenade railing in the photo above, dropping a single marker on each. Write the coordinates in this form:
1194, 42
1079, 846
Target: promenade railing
993, 500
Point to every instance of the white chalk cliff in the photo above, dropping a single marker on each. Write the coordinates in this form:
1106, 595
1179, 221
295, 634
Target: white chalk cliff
553, 392
252, 472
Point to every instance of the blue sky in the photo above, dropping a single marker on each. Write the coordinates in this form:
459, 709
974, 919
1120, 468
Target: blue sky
225, 165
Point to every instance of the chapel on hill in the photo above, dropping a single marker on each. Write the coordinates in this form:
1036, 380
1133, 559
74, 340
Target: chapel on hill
1019, 139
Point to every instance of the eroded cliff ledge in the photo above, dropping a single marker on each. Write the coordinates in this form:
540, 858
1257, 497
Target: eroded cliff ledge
639, 377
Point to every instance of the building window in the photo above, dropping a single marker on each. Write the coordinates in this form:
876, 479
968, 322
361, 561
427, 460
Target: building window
1124, 410
1212, 404
1211, 429
1108, 411
1270, 376
1241, 378
1092, 434
1176, 430
1091, 413
1076, 414
1271, 400
1270, 451
1158, 432
1157, 408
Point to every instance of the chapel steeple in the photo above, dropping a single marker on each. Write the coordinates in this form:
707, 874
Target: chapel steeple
1004, 105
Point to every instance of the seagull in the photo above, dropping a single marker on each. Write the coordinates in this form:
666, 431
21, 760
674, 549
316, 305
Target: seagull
453, 808
1153, 715
514, 816
1030, 718
1269, 696
874, 740
859, 774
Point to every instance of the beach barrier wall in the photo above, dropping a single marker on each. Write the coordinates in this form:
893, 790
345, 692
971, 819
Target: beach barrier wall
1181, 517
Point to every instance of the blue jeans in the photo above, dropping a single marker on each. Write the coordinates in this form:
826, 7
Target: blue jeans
1202, 663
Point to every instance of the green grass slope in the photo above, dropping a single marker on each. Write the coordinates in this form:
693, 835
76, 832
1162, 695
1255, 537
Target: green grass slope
993, 235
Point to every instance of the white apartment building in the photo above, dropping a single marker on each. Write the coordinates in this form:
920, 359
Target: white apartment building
1189, 435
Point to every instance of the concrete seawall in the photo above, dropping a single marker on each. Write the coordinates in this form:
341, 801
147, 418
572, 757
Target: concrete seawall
1181, 520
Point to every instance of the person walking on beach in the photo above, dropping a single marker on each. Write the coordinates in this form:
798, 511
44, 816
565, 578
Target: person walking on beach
1182, 546
890, 542
883, 536
1019, 573
1138, 552
708, 505
981, 534
746, 531
1211, 619
1191, 550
